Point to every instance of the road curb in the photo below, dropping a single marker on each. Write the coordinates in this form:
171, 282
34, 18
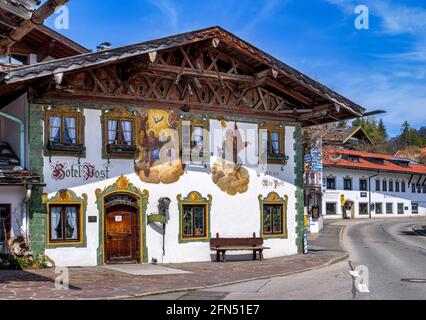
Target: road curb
331, 261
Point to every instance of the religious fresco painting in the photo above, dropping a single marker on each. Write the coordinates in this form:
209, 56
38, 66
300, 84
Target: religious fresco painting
158, 141
227, 172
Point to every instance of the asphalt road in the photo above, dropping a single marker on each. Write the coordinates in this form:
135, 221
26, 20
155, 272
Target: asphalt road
394, 255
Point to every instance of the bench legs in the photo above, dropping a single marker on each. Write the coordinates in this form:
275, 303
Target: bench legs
223, 253
260, 255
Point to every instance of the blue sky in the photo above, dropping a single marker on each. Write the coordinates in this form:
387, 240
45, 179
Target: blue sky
380, 68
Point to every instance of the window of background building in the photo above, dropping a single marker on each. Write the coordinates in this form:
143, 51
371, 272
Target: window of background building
377, 185
414, 208
363, 209
400, 208
363, 185
331, 183
379, 208
385, 185
389, 208
347, 184
331, 208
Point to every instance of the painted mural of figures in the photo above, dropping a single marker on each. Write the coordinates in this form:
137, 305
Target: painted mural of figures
228, 173
158, 142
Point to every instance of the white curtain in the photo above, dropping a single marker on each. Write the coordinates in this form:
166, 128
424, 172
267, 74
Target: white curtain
126, 128
112, 131
70, 130
55, 223
55, 129
71, 214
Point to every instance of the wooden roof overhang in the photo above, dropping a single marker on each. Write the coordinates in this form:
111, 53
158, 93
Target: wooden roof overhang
19, 17
209, 70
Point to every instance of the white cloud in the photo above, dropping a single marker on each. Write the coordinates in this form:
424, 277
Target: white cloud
169, 10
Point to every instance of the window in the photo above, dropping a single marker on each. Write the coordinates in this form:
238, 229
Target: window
389, 208
273, 219
363, 185
273, 137
403, 186
347, 184
397, 186
64, 223
14, 59
379, 208
331, 183
377, 185
400, 208
195, 141
194, 221
385, 186
64, 131
120, 134
424, 189
363, 209
331, 208
390, 186
419, 188
273, 216
194, 213
415, 208
4, 225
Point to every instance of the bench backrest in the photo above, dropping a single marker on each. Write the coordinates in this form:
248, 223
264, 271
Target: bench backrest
226, 242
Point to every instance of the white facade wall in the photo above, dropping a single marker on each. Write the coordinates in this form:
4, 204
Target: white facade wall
231, 216
407, 197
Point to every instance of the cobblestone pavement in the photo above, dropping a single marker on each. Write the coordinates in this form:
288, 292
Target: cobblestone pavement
101, 283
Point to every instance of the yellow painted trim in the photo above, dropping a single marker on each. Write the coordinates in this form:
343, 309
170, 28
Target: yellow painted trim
68, 243
182, 238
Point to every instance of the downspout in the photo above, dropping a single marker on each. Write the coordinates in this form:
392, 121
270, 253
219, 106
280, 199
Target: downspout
369, 192
22, 136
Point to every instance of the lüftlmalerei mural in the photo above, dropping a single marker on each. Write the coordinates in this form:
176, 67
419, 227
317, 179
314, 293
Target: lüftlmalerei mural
158, 142
227, 172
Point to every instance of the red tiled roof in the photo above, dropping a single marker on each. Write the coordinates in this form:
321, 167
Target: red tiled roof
331, 159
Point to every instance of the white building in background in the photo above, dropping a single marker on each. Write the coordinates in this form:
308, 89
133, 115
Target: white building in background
355, 181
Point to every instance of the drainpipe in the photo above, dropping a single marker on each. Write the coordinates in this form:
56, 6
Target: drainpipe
369, 192
22, 136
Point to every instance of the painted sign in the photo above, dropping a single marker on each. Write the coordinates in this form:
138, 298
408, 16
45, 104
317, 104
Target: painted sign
272, 183
85, 171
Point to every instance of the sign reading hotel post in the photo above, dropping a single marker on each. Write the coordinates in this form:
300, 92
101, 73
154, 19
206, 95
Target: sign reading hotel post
84, 171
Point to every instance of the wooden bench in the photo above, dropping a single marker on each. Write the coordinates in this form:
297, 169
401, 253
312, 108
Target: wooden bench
222, 245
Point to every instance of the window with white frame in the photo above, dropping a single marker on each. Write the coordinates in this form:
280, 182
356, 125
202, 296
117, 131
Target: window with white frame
414, 208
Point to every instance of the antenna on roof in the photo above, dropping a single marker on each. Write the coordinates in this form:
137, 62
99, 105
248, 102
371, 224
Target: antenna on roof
103, 46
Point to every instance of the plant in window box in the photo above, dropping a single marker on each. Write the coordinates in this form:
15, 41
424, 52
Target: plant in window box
124, 149
64, 147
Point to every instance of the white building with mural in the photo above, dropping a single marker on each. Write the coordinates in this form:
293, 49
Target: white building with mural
369, 185
149, 151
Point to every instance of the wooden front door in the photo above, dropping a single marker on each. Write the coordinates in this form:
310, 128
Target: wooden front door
121, 236
4, 226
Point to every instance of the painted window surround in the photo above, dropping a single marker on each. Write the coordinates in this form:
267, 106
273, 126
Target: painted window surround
274, 199
67, 197
194, 198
